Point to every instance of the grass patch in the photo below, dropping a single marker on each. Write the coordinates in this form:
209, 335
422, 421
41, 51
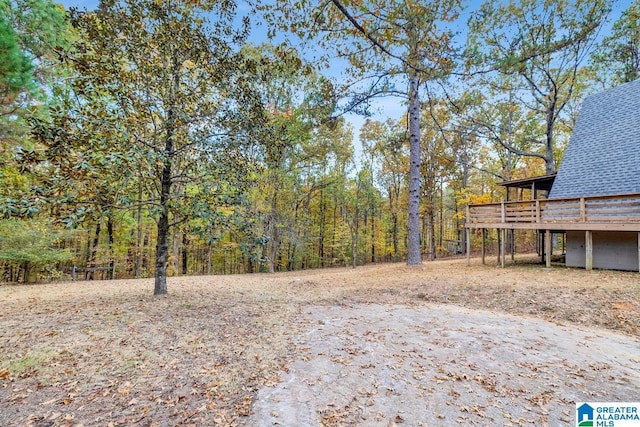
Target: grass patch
32, 363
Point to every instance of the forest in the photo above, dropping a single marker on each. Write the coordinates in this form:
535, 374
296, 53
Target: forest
156, 138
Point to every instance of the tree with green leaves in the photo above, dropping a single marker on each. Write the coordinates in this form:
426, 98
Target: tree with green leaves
30, 246
507, 126
536, 50
79, 176
298, 135
387, 144
16, 68
617, 58
31, 32
174, 81
396, 47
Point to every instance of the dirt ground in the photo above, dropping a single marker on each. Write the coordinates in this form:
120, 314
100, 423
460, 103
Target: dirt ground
438, 344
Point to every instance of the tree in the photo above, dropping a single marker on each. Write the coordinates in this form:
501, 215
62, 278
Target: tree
386, 43
31, 31
16, 69
506, 125
298, 103
79, 175
175, 84
28, 246
537, 49
617, 58
388, 145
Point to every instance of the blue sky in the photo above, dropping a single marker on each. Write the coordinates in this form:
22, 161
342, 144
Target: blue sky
89, 4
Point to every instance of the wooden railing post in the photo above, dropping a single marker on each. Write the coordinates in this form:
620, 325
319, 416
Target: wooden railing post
537, 210
503, 213
583, 210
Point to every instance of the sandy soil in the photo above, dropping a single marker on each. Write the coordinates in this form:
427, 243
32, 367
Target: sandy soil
378, 345
385, 365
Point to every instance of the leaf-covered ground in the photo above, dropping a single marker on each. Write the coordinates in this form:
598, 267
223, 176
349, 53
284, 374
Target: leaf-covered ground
109, 353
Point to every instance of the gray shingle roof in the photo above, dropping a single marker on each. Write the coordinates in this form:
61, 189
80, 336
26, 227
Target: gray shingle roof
603, 156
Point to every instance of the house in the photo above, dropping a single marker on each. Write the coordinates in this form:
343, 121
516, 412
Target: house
603, 159
595, 196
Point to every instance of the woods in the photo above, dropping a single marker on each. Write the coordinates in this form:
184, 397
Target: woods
160, 138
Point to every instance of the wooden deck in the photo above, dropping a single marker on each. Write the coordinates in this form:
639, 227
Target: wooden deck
588, 214
597, 213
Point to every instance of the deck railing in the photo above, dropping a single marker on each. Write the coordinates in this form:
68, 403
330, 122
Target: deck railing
602, 210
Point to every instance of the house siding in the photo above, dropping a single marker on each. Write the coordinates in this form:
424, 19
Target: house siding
612, 250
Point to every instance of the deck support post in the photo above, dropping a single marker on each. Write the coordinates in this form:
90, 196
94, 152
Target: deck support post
548, 247
484, 237
588, 246
512, 245
468, 235
503, 246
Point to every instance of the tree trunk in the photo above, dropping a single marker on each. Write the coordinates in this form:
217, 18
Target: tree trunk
394, 218
273, 244
322, 229
185, 242
441, 215
332, 256
431, 230
145, 252
94, 251
174, 259
110, 274
414, 257
87, 252
354, 245
373, 234
271, 226
27, 271
465, 181
139, 232
549, 158
394, 195
162, 247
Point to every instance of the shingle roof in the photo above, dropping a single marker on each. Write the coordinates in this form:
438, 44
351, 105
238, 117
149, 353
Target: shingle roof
603, 156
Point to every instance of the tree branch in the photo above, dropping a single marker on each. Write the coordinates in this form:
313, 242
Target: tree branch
369, 37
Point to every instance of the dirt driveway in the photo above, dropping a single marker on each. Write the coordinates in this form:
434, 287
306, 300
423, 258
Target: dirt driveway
436, 365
